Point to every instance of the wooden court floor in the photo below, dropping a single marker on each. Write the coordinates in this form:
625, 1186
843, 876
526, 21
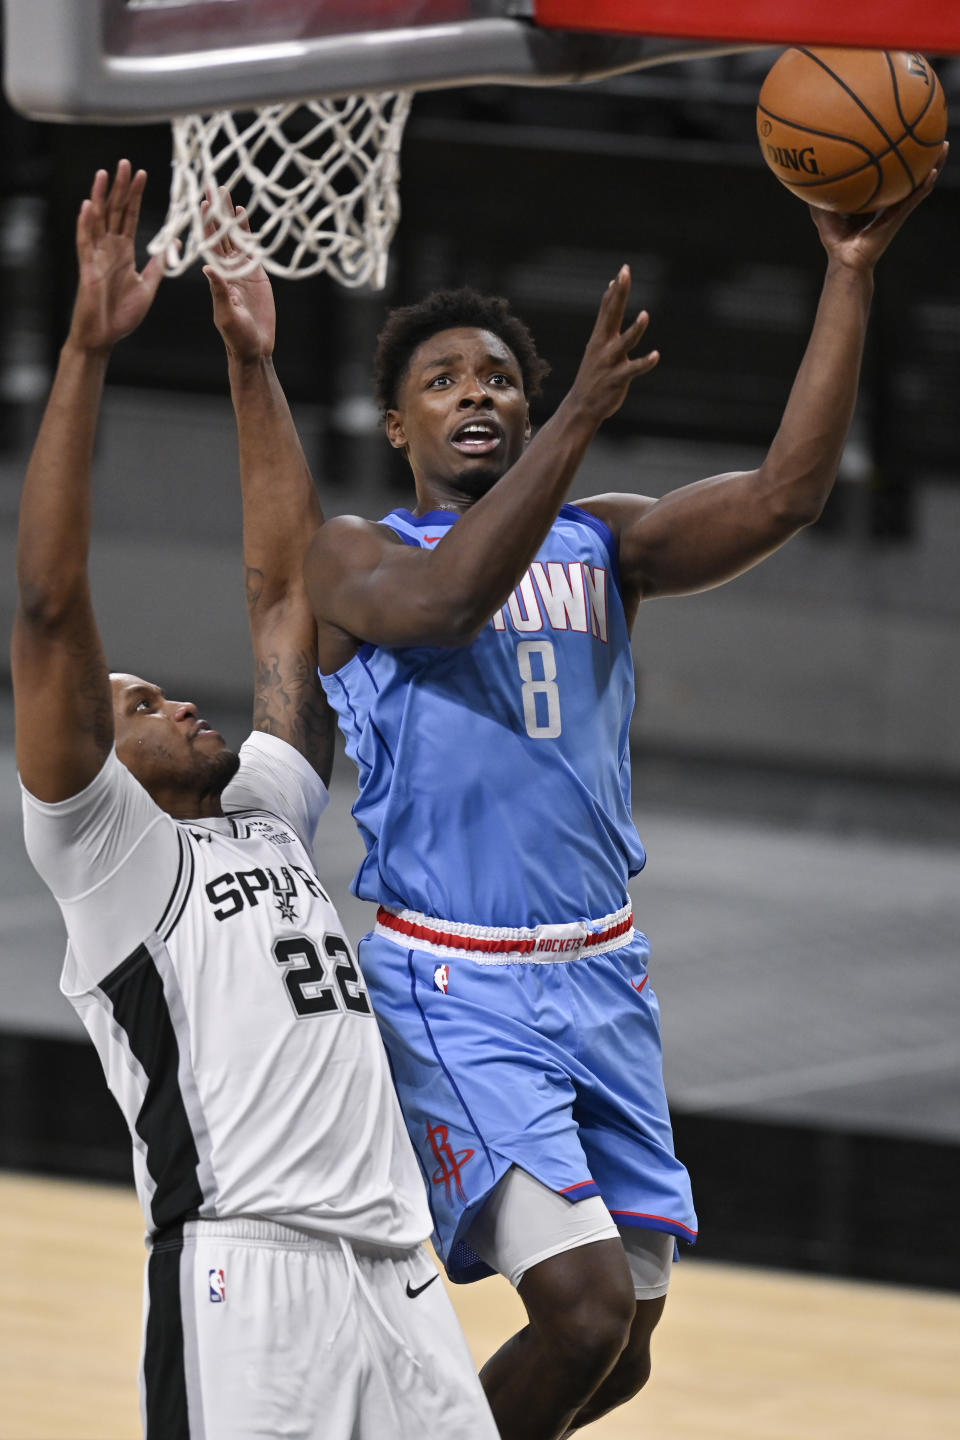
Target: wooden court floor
740, 1355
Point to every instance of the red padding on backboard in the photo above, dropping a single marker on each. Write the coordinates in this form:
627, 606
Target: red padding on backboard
928, 25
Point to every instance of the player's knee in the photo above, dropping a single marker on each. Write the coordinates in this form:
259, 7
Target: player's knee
590, 1336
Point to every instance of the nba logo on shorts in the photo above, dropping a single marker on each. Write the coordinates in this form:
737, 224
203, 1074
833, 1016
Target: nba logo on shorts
218, 1288
441, 978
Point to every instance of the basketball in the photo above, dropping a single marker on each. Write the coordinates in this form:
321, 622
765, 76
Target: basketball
851, 130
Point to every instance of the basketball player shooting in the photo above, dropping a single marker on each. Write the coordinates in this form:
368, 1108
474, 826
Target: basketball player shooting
477, 650
287, 1290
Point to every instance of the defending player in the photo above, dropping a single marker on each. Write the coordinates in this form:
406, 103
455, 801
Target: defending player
477, 651
286, 1288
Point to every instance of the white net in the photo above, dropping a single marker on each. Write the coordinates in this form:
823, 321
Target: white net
318, 181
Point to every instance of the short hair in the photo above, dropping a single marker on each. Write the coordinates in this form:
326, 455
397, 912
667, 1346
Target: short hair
408, 326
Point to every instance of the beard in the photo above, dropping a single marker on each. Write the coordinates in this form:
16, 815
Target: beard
181, 784
213, 773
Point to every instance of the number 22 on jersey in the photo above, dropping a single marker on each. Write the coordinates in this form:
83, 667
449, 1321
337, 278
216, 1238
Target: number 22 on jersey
307, 976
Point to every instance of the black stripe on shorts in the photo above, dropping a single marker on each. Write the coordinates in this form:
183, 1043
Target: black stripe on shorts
164, 1372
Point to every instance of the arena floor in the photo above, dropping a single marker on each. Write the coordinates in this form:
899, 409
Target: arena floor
740, 1355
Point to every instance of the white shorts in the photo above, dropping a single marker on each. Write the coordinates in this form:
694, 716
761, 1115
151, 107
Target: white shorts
253, 1330
524, 1222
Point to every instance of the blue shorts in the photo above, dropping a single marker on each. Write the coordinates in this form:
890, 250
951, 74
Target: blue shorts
554, 1067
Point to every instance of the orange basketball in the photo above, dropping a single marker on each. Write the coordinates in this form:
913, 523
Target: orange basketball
851, 130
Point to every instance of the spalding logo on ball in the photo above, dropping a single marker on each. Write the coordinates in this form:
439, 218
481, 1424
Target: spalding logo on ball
851, 130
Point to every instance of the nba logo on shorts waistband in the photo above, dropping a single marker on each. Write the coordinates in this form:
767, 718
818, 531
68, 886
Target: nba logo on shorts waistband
441, 978
218, 1287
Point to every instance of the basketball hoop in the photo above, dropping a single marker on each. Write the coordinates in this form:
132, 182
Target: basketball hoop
318, 180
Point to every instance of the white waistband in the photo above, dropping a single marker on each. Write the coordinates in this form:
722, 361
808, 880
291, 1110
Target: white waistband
258, 1231
251, 1230
503, 945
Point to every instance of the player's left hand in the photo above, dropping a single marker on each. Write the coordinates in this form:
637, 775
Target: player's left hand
243, 306
858, 241
112, 296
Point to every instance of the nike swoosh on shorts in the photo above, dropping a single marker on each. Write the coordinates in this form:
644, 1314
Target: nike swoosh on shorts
420, 1288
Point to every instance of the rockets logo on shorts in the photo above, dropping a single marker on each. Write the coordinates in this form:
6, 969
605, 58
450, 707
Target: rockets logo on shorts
450, 1164
218, 1287
441, 978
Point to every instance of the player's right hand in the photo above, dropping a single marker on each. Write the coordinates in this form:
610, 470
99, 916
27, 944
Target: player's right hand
858, 241
243, 306
112, 297
607, 371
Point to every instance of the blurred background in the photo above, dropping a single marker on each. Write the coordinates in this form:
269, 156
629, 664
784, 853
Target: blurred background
796, 738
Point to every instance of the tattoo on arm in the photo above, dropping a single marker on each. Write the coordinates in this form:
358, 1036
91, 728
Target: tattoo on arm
289, 702
253, 586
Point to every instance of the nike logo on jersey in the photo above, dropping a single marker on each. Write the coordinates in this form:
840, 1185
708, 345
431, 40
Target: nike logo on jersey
413, 1293
558, 596
430, 538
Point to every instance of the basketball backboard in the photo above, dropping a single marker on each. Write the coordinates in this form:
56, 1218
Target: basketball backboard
140, 60
877, 24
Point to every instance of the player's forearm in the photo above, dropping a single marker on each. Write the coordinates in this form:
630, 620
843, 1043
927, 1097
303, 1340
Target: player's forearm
802, 462
393, 596
486, 553
281, 509
54, 532
493, 544
705, 534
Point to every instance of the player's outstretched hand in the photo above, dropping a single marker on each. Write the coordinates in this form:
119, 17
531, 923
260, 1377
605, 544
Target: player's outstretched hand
859, 240
607, 370
112, 297
243, 307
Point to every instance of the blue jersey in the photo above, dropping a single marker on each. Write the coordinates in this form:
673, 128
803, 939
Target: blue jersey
495, 777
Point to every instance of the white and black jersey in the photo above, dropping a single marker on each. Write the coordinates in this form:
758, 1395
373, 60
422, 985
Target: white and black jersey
212, 973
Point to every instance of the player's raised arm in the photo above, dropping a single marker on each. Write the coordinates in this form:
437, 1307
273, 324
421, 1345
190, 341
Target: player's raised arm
704, 534
365, 585
281, 512
62, 701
